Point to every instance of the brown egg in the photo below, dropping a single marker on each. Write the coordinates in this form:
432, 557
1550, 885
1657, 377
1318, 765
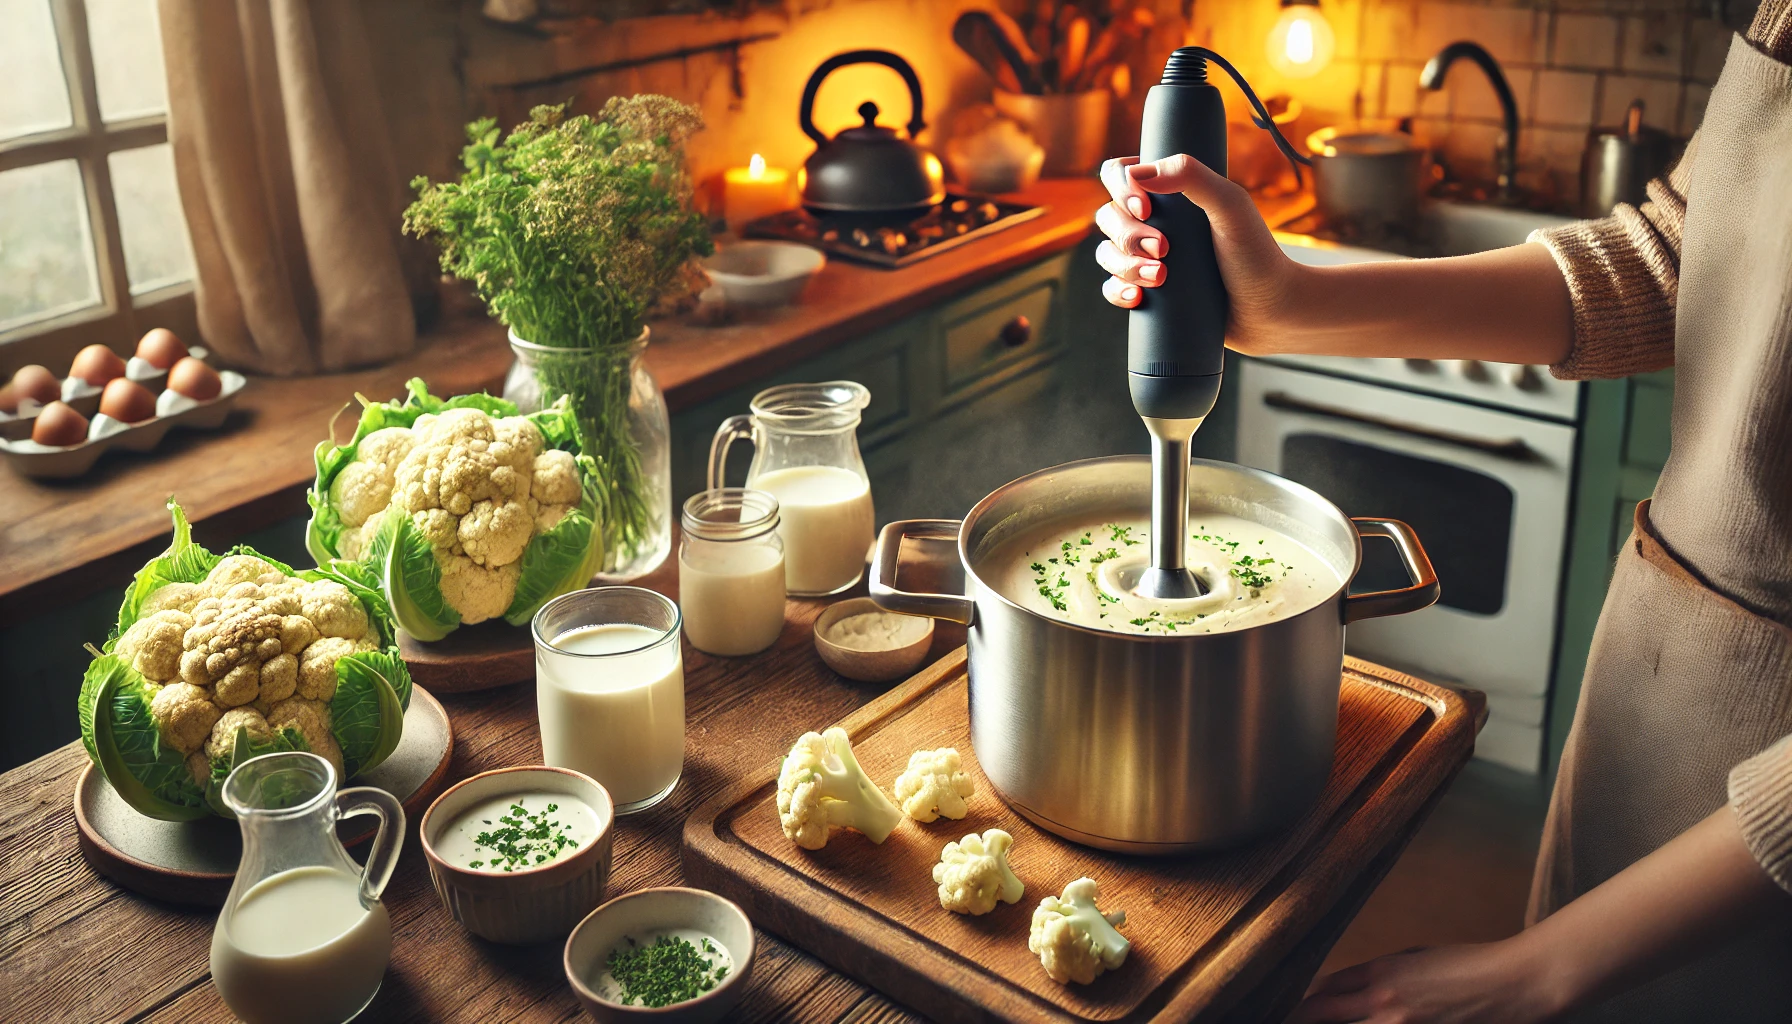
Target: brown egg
161, 349
59, 425
33, 382
127, 401
97, 364
194, 379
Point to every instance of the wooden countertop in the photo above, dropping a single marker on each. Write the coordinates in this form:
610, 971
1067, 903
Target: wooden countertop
77, 947
62, 540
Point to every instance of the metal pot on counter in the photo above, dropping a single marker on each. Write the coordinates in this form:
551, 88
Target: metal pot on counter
1153, 743
1369, 179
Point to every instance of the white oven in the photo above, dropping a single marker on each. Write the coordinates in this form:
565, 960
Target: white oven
1486, 488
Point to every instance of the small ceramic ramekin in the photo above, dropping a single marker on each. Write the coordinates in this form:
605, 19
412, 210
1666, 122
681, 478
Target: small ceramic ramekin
531, 904
882, 666
642, 913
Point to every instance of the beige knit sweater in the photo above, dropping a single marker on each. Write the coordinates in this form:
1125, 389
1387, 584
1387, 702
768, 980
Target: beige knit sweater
1623, 276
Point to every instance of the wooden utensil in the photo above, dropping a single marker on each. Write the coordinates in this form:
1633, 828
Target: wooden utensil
993, 29
1071, 51
979, 38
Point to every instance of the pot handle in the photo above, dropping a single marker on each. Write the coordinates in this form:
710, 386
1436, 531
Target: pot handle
951, 607
1424, 589
889, 60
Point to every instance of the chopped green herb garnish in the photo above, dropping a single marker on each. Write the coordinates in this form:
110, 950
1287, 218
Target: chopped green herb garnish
669, 971
524, 839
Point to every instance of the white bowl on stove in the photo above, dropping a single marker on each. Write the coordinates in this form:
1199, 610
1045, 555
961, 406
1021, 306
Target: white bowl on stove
763, 273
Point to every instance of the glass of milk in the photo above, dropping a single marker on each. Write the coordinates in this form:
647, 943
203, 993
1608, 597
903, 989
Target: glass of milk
609, 691
806, 454
303, 936
731, 571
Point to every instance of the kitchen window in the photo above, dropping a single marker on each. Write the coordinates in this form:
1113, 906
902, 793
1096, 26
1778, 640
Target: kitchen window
93, 245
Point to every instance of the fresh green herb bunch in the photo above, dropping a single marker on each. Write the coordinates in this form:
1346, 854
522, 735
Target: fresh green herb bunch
573, 229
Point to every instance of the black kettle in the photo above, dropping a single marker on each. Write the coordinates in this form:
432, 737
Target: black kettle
869, 170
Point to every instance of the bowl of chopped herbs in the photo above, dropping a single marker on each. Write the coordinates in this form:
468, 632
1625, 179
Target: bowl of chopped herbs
670, 954
519, 855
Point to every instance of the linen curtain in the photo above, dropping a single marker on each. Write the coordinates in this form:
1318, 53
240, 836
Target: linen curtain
291, 191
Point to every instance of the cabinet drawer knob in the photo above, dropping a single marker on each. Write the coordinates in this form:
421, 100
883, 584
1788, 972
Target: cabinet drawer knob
1017, 332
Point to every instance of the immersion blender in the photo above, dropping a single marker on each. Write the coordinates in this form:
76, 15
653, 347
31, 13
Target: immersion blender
1176, 335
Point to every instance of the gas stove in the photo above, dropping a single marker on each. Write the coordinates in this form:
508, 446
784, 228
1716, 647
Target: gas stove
960, 218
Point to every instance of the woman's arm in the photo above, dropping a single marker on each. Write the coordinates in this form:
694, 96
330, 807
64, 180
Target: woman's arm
1509, 305
1699, 891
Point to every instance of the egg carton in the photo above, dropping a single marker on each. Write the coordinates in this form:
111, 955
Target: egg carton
60, 463
84, 398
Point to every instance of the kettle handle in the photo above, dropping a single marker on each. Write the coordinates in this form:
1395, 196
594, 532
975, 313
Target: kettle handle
840, 60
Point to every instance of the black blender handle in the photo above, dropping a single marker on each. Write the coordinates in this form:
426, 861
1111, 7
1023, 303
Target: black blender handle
1176, 335
890, 60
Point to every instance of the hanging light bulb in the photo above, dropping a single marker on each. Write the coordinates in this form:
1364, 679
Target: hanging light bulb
1300, 44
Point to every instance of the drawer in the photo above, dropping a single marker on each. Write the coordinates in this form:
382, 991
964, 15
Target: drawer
1004, 325
1649, 424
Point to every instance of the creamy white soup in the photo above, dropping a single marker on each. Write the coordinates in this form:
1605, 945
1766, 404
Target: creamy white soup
1082, 573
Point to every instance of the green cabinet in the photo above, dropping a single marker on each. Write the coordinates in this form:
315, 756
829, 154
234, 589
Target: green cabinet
960, 352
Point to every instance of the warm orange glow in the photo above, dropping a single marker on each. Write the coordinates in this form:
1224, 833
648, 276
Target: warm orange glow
756, 167
754, 191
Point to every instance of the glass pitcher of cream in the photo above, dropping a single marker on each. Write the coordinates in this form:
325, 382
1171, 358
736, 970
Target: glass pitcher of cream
303, 936
806, 454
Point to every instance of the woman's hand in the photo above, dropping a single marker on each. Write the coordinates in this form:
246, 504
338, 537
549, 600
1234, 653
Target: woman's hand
1493, 982
1260, 279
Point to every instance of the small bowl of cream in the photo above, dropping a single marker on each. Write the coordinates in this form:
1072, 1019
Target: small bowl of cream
519, 855
668, 954
861, 641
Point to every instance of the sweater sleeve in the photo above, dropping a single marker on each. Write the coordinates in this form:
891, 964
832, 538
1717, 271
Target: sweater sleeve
1761, 795
1623, 275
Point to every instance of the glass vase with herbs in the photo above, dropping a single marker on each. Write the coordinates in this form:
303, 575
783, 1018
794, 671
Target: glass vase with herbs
574, 230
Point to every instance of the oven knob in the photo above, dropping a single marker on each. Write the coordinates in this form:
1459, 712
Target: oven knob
1472, 369
1525, 377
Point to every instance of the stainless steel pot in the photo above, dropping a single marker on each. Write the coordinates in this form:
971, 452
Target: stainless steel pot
1152, 744
1369, 179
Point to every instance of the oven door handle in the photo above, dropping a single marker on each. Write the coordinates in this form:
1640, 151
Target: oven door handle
1513, 448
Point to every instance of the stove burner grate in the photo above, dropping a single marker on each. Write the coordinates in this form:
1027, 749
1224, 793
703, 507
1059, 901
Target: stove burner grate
959, 219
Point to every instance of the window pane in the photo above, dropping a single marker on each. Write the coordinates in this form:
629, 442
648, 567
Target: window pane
46, 253
34, 97
127, 58
156, 250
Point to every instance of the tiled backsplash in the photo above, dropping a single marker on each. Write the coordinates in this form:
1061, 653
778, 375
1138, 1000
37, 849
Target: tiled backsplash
1571, 65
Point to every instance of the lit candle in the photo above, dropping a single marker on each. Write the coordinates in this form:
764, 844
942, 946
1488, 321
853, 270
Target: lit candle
754, 191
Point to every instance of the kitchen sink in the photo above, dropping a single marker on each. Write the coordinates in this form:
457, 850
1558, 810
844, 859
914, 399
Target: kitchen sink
1445, 229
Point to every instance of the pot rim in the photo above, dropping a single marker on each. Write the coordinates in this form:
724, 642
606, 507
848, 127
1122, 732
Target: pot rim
983, 588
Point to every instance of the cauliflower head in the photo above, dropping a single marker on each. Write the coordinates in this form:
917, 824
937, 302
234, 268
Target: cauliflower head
1075, 941
822, 787
973, 873
244, 640
934, 785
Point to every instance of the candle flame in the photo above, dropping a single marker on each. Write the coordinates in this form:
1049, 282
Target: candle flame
756, 167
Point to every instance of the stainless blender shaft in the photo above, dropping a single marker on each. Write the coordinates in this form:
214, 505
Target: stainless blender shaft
1168, 576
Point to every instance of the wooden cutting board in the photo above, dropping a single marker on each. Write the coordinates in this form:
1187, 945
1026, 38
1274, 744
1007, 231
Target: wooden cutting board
1206, 930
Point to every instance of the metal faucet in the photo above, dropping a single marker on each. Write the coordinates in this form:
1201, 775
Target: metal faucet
1433, 78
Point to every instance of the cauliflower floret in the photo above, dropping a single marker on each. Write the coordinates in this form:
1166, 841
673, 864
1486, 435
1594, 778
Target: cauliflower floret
333, 609
279, 678
935, 784
200, 767
247, 636
175, 596
296, 633
240, 685
317, 667
454, 465
822, 786
495, 533
475, 591
555, 478
517, 432
153, 645
185, 714
364, 487
234, 569
973, 873
312, 719
1074, 939
223, 737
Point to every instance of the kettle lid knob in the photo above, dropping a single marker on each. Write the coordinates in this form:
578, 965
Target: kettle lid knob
868, 110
